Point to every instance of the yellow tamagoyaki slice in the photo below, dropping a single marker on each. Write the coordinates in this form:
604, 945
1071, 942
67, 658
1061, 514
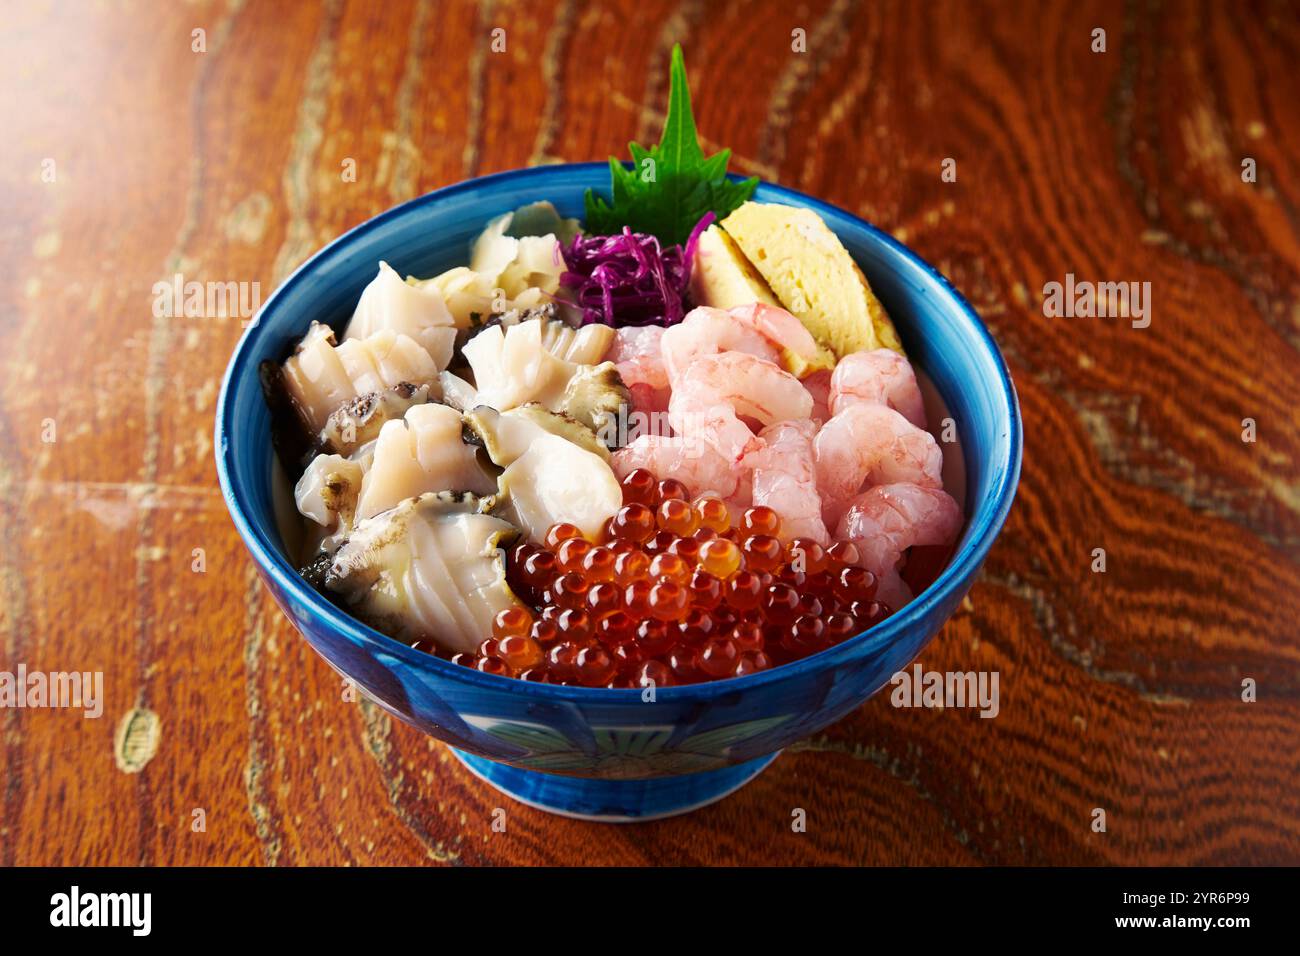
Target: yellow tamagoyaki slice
721, 277
808, 269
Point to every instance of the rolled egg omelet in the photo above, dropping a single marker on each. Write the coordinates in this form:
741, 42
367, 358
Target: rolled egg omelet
724, 279
813, 275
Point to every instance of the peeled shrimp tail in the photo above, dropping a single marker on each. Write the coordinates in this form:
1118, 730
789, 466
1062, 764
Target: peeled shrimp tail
888, 519
892, 591
874, 444
785, 480
637, 353
707, 331
819, 387
692, 462
881, 377
786, 333
711, 396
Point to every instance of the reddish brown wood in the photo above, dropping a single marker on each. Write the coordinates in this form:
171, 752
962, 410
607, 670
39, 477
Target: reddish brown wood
1119, 691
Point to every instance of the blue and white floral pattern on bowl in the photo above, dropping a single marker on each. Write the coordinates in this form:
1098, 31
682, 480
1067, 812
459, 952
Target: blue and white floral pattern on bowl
626, 753
609, 754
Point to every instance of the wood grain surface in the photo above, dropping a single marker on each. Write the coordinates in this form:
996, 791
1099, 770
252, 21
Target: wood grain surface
1119, 690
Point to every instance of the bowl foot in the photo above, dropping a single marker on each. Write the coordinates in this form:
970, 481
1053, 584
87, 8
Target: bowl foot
614, 801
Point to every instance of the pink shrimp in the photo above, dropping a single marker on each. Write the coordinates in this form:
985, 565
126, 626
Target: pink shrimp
647, 399
779, 327
784, 479
715, 391
888, 519
637, 355
892, 591
692, 462
819, 387
876, 444
880, 376
708, 331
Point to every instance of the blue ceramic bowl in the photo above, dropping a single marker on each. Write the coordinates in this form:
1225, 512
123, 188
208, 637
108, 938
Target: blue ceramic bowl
598, 753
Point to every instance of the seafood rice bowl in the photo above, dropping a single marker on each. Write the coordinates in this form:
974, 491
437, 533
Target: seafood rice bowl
645, 448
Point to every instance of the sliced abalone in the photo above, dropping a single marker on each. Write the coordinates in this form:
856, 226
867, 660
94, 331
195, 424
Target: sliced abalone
512, 367
423, 452
431, 569
505, 436
321, 375
389, 304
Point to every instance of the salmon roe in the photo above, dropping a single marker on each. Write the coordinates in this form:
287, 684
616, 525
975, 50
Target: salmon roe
675, 590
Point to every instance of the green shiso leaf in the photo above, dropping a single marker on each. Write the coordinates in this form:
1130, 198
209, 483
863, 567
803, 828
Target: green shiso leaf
670, 187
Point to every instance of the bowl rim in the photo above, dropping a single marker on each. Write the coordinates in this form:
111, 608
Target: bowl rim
268, 558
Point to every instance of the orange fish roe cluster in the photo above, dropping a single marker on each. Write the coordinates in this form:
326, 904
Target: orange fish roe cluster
674, 592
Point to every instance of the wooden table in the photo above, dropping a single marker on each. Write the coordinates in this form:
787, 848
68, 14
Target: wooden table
131, 158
